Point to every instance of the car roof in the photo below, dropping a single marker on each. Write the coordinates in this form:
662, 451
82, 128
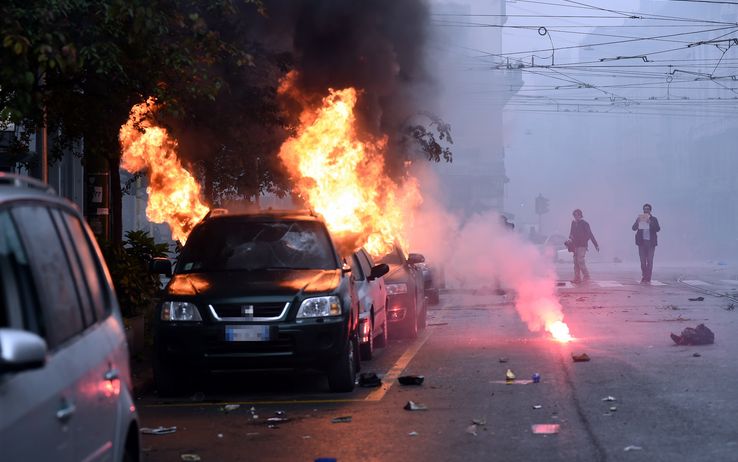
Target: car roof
15, 188
262, 215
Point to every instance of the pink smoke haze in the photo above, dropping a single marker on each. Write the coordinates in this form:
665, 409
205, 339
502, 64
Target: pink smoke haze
482, 251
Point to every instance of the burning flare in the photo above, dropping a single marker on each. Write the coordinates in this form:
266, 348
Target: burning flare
174, 195
340, 174
560, 331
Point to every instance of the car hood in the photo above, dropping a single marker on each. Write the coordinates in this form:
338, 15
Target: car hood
396, 273
253, 283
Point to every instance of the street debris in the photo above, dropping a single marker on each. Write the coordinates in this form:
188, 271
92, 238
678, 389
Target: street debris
369, 380
632, 448
581, 299
545, 429
273, 426
278, 419
730, 307
413, 406
220, 435
411, 379
412, 434
504, 360
472, 429
190, 457
479, 421
609, 398
697, 299
437, 324
306, 437
509, 375
158, 430
696, 355
613, 408
583, 357
254, 415
342, 419
536, 378
231, 407
700, 335
537, 406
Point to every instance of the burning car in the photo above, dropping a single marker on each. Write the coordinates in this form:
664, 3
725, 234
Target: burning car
372, 295
406, 292
255, 292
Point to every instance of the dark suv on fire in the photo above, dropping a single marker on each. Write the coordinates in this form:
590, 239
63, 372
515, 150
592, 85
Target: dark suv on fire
256, 292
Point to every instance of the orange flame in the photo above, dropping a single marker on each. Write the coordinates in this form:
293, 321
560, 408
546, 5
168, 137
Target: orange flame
340, 173
174, 195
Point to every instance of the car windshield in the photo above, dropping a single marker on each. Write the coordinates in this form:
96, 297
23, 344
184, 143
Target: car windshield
392, 258
228, 245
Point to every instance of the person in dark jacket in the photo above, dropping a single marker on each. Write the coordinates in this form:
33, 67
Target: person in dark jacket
646, 227
580, 235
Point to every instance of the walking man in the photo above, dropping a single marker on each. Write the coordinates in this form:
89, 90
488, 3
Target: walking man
646, 227
580, 235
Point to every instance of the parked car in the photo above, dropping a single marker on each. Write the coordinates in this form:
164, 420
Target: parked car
372, 298
253, 292
406, 292
65, 383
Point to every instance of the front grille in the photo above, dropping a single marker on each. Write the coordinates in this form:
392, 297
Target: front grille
283, 344
248, 311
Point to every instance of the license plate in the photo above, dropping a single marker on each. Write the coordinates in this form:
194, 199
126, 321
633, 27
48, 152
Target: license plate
247, 333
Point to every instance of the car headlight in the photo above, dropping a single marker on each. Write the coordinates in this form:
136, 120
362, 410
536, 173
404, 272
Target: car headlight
394, 289
179, 311
319, 306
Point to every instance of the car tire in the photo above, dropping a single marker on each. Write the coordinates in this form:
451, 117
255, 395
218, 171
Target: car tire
342, 374
411, 329
383, 337
367, 349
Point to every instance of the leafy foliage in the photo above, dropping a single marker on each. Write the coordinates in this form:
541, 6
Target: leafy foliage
423, 137
137, 289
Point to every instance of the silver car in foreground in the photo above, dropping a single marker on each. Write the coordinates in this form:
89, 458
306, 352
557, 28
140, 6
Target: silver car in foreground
65, 383
372, 294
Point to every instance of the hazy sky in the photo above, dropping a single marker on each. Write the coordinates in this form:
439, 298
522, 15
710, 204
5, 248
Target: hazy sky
643, 114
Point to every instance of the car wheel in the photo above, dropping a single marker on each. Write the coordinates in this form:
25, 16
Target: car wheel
382, 339
342, 373
367, 349
412, 324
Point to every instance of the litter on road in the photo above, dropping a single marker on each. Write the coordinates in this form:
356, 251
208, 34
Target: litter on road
697, 299
504, 360
609, 398
580, 358
158, 430
537, 406
413, 406
632, 448
231, 407
472, 429
190, 457
700, 335
536, 378
545, 429
411, 379
342, 419
509, 375
369, 380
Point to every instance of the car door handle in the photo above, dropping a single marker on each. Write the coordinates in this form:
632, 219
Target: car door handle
112, 374
66, 412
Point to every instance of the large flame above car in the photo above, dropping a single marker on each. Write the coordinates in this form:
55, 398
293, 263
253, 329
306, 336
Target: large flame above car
174, 195
340, 172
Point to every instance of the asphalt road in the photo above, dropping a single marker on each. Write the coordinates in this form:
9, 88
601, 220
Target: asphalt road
671, 403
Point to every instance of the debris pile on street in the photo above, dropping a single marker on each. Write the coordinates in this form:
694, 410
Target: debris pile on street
583, 357
369, 380
342, 419
411, 379
700, 335
697, 299
413, 406
158, 430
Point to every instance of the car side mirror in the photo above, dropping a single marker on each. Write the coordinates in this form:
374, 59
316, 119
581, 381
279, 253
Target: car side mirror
161, 266
415, 258
21, 350
378, 271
